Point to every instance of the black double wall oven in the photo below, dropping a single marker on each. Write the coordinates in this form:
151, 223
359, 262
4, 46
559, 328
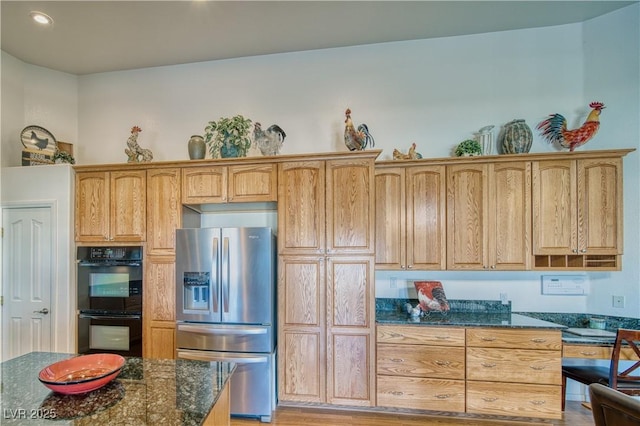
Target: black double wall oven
110, 300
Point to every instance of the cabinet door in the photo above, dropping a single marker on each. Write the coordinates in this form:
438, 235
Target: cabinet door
204, 185
555, 219
92, 207
301, 208
301, 329
426, 217
253, 183
350, 331
163, 210
128, 209
510, 216
350, 197
391, 224
159, 307
467, 205
600, 206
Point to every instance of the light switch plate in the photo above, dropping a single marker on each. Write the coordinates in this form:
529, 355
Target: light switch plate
566, 285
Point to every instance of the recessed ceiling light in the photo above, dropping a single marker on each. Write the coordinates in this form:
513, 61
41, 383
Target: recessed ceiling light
41, 18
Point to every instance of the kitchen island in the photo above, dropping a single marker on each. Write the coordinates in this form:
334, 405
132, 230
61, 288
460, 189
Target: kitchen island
147, 392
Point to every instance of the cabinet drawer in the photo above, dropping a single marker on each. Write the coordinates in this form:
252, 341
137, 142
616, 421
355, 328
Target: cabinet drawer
418, 335
514, 399
514, 365
518, 339
595, 352
421, 361
421, 394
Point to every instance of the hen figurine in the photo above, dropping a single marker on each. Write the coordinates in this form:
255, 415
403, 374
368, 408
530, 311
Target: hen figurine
554, 128
356, 140
268, 141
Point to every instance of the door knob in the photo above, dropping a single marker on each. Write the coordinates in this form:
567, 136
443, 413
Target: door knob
44, 311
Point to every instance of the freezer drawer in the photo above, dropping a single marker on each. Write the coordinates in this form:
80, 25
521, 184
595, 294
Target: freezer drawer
225, 337
253, 383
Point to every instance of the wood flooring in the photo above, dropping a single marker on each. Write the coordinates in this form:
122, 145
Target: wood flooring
575, 415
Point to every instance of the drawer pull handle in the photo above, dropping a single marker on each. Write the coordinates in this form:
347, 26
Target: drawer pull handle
591, 353
488, 339
442, 363
442, 337
538, 402
397, 393
443, 396
397, 360
488, 364
487, 399
538, 340
395, 335
536, 367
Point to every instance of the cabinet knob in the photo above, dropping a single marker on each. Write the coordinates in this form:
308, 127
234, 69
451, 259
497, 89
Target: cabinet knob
583, 251
410, 266
493, 266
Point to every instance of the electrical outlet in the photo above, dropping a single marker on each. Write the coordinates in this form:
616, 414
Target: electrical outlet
618, 301
394, 282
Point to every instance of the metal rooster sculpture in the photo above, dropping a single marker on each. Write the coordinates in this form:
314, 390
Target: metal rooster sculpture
356, 140
554, 128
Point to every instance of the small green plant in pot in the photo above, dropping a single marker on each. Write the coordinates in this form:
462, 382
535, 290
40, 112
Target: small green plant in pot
468, 148
228, 137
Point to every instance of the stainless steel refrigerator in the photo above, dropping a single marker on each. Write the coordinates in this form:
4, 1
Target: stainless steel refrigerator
226, 309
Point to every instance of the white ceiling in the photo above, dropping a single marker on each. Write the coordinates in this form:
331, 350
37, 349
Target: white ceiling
98, 36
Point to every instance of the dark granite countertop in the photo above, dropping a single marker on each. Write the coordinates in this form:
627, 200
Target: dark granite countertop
462, 313
147, 392
466, 319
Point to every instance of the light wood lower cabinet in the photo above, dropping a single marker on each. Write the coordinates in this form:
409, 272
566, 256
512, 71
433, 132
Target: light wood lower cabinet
421, 368
498, 371
514, 372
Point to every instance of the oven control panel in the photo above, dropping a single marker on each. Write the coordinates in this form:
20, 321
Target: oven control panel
110, 253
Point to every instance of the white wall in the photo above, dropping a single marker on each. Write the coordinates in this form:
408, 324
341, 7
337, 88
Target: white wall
35, 96
433, 92
51, 186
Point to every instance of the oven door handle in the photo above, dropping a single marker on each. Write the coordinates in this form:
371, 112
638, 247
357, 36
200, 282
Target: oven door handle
109, 317
222, 330
220, 357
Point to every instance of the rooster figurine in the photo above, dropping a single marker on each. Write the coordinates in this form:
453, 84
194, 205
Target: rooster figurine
554, 128
356, 140
268, 141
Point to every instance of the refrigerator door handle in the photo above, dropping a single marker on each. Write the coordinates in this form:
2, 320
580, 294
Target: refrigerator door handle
214, 280
218, 356
203, 329
225, 274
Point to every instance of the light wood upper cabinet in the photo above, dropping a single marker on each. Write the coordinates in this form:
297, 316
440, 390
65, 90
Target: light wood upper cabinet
488, 216
510, 216
467, 207
410, 217
163, 210
350, 202
577, 207
301, 208
226, 184
110, 206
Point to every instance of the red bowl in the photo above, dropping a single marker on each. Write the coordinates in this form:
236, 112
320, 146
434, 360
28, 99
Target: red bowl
81, 374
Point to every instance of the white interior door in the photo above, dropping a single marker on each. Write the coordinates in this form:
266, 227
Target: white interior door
26, 280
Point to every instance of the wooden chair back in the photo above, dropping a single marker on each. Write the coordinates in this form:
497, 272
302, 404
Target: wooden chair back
631, 339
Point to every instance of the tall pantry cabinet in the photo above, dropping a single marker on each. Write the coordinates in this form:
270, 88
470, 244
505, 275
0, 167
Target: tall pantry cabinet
326, 280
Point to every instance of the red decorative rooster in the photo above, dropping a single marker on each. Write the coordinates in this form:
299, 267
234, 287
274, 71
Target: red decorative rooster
554, 128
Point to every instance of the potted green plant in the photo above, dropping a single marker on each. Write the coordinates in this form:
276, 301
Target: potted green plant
468, 148
228, 137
